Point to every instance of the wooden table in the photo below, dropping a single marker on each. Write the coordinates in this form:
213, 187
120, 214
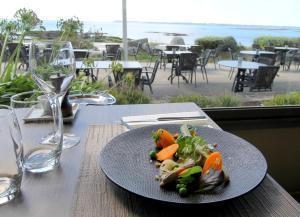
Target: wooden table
52, 194
242, 66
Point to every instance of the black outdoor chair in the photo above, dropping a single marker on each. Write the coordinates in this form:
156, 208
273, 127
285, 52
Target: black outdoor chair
111, 51
202, 62
134, 51
262, 78
268, 59
154, 53
80, 55
147, 76
215, 54
232, 56
296, 60
289, 58
170, 57
270, 48
185, 64
196, 49
23, 55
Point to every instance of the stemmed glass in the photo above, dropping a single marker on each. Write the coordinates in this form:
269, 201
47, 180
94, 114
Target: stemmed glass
53, 67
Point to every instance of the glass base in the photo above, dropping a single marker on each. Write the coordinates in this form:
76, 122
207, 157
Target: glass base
8, 189
70, 140
41, 160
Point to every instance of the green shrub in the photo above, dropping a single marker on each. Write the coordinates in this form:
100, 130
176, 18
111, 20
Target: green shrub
126, 93
226, 101
292, 98
199, 100
211, 42
20, 83
264, 41
205, 102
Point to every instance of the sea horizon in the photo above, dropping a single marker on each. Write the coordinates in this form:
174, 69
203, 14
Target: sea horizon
163, 32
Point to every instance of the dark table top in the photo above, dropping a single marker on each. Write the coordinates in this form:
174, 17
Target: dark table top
52, 194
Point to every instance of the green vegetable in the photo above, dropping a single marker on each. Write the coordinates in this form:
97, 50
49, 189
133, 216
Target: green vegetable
192, 171
192, 147
183, 192
181, 185
152, 154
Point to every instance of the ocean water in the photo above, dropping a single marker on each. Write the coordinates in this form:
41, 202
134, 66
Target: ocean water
157, 32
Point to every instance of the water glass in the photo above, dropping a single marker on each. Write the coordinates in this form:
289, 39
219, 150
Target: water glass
11, 155
41, 128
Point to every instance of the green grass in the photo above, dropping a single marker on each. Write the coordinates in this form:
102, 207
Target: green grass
206, 102
292, 98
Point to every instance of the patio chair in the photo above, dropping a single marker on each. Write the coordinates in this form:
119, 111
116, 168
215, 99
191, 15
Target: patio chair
196, 49
134, 51
262, 79
215, 53
289, 58
186, 63
268, 59
232, 56
111, 51
154, 53
147, 77
23, 55
170, 57
296, 60
202, 62
270, 48
81, 54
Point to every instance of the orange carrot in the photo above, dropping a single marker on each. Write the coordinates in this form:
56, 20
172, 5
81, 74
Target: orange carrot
167, 153
214, 161
163, 138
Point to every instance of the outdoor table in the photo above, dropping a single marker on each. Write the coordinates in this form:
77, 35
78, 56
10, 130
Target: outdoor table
255, 53
283, 51
178, 45
133, 66
242, 66
60, 193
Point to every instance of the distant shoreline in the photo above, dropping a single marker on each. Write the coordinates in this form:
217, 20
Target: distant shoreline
217, 24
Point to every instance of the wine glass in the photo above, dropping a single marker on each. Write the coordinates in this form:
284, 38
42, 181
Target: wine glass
53, 66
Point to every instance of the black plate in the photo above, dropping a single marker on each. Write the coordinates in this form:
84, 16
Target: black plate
125, 162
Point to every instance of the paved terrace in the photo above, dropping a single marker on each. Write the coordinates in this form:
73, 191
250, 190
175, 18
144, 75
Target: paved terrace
218, 84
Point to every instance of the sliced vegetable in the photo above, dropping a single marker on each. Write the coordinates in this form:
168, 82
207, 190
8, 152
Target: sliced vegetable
163, 138
213, 161
152, 154
167, 153
190, 171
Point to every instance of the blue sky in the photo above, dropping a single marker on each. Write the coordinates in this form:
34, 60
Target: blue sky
257, 12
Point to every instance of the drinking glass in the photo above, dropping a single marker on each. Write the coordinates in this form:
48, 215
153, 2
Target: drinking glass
53, 67
41, 129
11, 155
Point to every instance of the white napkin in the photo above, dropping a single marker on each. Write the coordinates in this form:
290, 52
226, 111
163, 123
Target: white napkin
144, 120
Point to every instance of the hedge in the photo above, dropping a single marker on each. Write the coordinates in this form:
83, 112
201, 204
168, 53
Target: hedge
264, 41
211, 42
